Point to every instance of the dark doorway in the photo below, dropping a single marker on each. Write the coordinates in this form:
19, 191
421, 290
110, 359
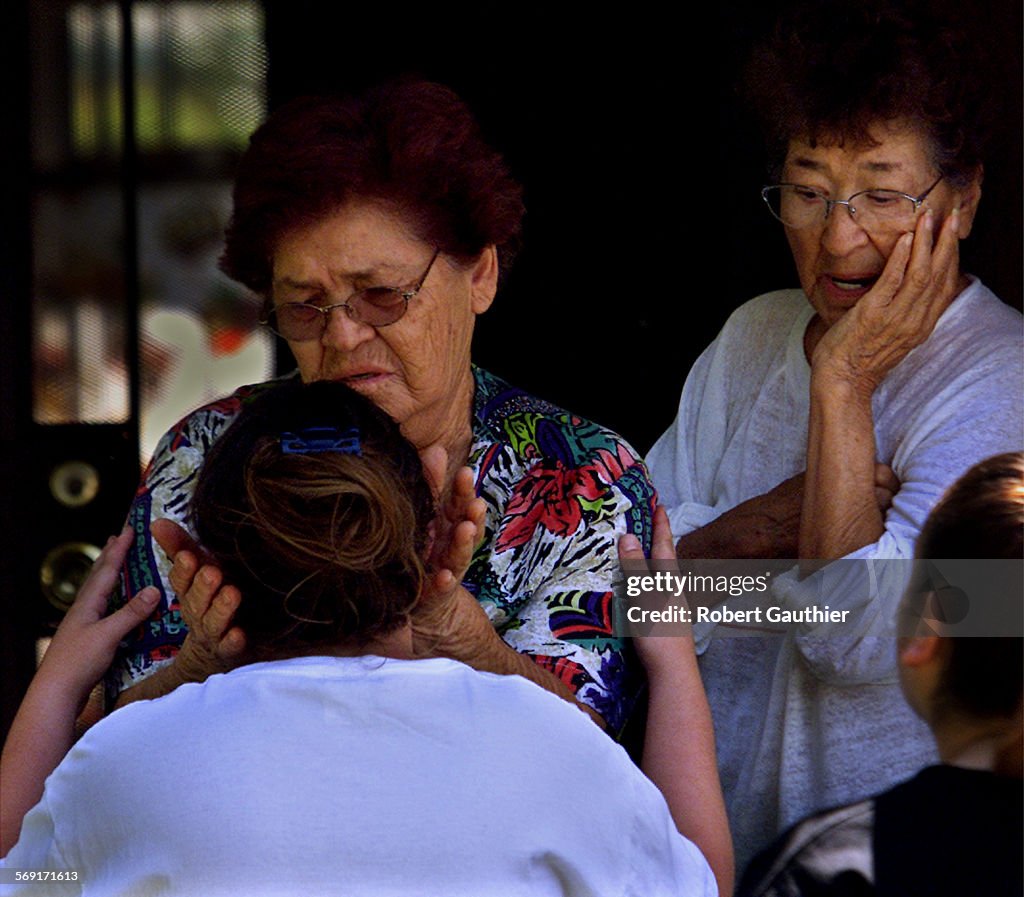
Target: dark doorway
645, 227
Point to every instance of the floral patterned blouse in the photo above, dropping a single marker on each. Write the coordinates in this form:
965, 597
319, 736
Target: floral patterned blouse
559, 489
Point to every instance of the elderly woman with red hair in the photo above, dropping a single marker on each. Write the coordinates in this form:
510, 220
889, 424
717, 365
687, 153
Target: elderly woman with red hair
375, 228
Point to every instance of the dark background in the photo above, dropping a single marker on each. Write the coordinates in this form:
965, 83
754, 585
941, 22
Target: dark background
644, 226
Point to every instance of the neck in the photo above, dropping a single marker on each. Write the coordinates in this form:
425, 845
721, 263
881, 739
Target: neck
993, 747
396, 644
451, 427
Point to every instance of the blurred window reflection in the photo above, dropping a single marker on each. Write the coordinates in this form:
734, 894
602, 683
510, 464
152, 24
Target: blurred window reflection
200, 72
199, 85
200, 335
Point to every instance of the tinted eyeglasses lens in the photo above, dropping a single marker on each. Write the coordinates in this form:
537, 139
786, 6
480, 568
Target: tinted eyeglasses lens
378, 306
296, 322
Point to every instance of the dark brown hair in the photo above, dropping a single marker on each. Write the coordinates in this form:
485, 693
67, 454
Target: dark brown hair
412, 145
326, 547
833, 68
981, 516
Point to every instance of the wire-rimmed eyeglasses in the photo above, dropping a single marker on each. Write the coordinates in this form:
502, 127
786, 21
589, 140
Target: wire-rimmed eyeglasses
376, 306
798, 206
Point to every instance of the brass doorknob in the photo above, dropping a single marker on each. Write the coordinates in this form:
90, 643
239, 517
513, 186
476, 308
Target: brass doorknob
74, 483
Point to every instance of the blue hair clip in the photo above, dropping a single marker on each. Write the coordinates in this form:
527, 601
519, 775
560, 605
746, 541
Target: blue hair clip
317, 440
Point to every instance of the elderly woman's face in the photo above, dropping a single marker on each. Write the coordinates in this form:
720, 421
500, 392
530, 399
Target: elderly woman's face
416, 369
837, 259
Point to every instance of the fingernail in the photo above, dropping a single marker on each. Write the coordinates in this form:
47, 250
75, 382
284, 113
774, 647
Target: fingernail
929, 220
629, 542
206, 574
956, 221
150, 595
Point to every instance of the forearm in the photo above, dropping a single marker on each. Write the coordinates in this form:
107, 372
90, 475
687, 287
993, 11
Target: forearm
80, 650
679, 757
742, 532
156, 685
764, 526
840, 512
715, 540
454, 625
497, 657
41, 734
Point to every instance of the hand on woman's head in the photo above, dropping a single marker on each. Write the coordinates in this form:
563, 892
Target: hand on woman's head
458, 527
320, 529
83, 647
213, 644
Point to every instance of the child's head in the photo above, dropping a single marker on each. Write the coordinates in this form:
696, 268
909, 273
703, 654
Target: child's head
969, 677
315, 506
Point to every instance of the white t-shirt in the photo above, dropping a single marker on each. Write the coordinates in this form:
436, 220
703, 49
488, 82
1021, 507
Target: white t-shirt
815, 718
355, 776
